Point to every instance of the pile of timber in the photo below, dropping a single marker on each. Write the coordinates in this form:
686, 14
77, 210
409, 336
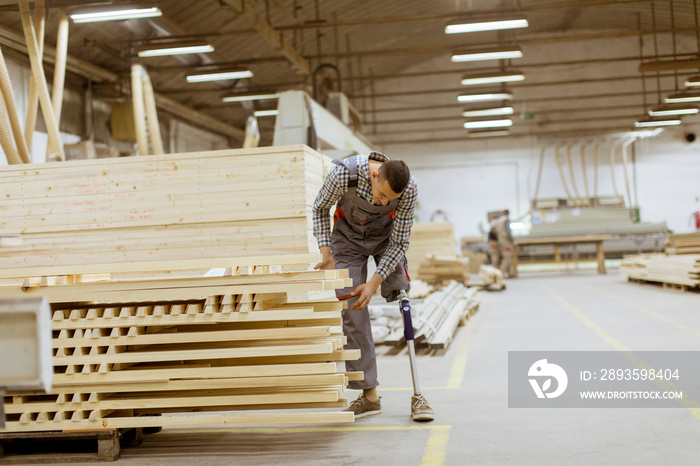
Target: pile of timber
490, 278
437, 269
420, 289
153, 352
675, 270
435, 320
685, 243
227, 203
434, 238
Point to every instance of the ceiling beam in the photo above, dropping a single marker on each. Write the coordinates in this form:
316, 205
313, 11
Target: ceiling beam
15, 40
273, 37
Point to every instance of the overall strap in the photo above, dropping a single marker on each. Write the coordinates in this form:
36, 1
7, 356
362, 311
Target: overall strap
351, 164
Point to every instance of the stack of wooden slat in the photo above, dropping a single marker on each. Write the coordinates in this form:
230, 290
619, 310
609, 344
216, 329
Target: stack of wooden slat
685, 243
436, 319
682, 270
491, 276
435, 238
439, 269
150, 352
227, 203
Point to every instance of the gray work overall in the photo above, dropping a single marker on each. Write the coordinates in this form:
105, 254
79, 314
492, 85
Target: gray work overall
362, 229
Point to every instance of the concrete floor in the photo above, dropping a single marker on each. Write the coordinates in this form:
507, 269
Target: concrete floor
467, 386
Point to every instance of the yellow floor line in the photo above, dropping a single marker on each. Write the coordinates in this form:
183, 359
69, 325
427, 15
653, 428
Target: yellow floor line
648, 311
436, 448
687, 401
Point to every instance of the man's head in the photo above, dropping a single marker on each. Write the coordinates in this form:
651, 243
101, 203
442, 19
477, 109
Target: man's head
389, 181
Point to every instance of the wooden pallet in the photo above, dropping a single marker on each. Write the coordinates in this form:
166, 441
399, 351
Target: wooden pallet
60, 447
680, 272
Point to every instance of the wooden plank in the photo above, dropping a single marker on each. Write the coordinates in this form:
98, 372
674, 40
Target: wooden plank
195, 337
192, 421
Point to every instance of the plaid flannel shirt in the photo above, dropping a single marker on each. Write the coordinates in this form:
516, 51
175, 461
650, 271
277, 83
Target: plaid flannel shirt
336, 184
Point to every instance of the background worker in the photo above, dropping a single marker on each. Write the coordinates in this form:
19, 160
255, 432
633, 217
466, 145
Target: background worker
376, 199
505, 243
494, 252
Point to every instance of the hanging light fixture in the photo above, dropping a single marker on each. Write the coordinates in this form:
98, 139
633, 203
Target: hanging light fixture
114, 13
488, 124
485, 24
489, 133
484, 97
692, 81
245, 97
219, 75
492, 78
650, 123
487, 54
486, 112
173, 48
670, 110
682, 98
264, 113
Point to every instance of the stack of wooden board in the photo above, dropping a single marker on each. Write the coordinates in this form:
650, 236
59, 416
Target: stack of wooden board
681, 270
685, 243
152, 352
435, 238
491, 277
436, 319
434, 269
227, 203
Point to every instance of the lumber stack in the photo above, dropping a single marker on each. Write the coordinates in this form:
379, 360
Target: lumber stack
437, 317
490, 276
681, 270
227, 203
685, 243
433, 238
153, 352
439, 269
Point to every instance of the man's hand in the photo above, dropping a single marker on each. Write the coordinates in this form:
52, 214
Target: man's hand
366, 291
327, 262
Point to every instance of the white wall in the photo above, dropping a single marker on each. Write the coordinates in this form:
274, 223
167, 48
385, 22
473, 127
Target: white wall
466, 180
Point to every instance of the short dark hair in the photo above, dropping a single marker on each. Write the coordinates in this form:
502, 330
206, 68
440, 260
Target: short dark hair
396, 172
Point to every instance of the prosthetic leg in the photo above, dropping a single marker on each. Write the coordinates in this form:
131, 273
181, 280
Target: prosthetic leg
420, 410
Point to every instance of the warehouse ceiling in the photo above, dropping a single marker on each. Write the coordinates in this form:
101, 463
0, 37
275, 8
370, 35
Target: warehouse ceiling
581, 60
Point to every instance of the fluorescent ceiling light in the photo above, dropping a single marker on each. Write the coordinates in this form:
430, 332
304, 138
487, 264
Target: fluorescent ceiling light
492, 78
669, 111
488, 112
115, 14
175, 48
488, 124
682, 98
483, 97
488, 133
247, 97
692, 81
263, 113
219, 76
479, 25
481, 55
652, 123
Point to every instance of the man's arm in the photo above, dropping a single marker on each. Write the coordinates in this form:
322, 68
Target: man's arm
398, 245
333, 187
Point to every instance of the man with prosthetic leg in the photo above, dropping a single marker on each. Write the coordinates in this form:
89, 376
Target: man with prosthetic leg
376, 199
